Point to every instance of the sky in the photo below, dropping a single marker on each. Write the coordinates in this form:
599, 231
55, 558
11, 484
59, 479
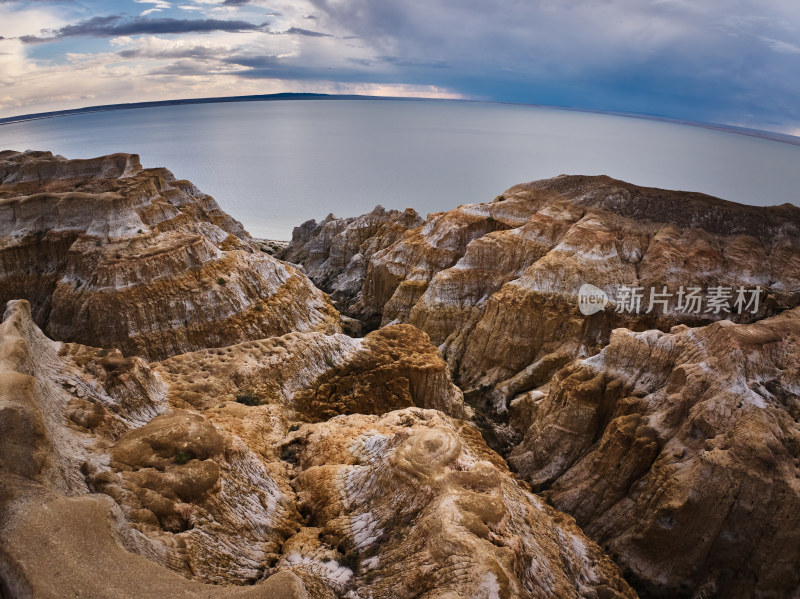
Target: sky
734, 62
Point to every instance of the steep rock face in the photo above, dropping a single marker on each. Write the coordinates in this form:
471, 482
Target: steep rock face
113, 255
57, 422
675, 451
455, 523
315, 377
409, 503
335, 253
680, 453
495, 285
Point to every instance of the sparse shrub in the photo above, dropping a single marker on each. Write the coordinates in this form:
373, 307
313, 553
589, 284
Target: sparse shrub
221, 281
260, 307
248, 399
351, 560
294, 427
290, 453
490, 219
97, 242
182, 457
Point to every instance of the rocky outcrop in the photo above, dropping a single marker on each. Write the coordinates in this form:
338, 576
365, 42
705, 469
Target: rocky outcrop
201, 426
680, 453
670, 435
315, 377
335, 253
117, 256
58, 424
496, 285
455, 524
143, 485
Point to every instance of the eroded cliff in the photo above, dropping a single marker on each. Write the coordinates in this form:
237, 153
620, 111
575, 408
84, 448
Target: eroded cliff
117, 256
153, 480
670, 434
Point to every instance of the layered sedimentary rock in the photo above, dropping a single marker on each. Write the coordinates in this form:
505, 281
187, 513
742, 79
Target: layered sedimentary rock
315, 377
116, 483
680, 453
117, 256
495, 285
335, 253
59, 419
676, 451
455, 523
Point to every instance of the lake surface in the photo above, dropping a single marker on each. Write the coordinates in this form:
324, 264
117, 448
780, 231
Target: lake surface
273, 165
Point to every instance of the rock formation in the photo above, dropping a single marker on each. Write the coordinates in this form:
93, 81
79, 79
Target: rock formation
671, 436
335, 253
495, 285
680, 453
117, 256
181, 414
118, 475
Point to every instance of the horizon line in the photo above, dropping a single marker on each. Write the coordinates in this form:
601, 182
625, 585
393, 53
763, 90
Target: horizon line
759, 133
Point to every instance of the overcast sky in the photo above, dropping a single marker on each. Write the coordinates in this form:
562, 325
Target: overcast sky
725, 61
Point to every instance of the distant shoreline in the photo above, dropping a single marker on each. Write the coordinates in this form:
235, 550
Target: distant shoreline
768, 135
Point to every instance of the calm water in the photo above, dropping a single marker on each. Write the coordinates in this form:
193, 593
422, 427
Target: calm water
276, 164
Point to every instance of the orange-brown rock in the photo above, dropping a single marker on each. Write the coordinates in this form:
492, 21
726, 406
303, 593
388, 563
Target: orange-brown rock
113, 486
335, 253
113, 255
413, 504
315, 376
495, 285
58, 538
680, 453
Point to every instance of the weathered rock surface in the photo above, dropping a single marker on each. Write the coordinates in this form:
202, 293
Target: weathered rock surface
420, 507
335, 253
495, 285
680, 453
116, 256
58, 422
315, 376
201, 418
676, 451
116, 473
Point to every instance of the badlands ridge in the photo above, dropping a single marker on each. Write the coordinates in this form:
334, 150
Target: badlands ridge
395, 406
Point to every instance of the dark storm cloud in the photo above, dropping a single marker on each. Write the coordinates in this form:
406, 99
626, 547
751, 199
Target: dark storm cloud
306, 32
726, 60
115, 25
194, 52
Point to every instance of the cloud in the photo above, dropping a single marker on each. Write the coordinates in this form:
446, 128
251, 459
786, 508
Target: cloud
718, 60
115, 25
781, 47
157, 48
729, 61
159, 5
306, 32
